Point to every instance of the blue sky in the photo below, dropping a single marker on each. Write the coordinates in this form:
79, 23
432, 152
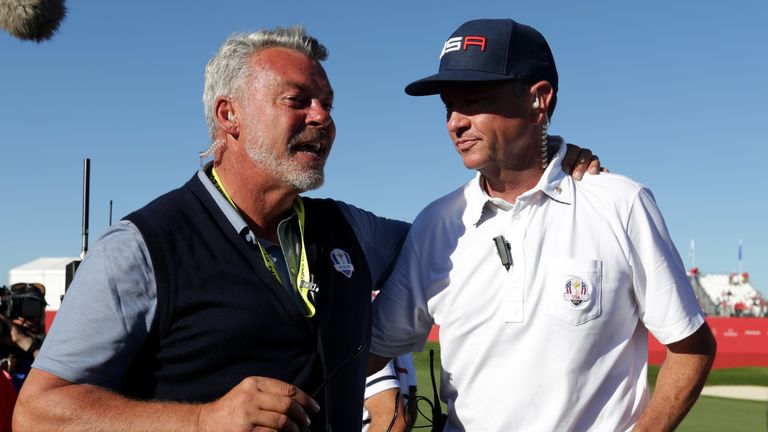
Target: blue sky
672, 94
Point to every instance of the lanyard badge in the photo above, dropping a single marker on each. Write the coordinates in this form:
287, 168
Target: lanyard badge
304, 283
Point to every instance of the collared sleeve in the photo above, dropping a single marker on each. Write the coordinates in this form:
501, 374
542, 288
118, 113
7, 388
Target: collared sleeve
106, 313
401, 320
382, 380
379, 237
667, 303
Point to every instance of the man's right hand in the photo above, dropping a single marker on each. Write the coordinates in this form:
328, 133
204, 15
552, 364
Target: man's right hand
259, 403
50, 403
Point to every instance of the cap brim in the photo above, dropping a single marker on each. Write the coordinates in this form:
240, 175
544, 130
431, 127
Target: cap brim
433, 84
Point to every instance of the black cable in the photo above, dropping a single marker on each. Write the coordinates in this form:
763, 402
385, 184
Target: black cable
338, 368
334, 372
434, 416
438, 418
421, 413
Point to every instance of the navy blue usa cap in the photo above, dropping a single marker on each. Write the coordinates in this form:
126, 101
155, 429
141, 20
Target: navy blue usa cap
490, 50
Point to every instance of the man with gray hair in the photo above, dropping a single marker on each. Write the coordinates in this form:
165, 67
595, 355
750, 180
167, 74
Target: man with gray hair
231, 303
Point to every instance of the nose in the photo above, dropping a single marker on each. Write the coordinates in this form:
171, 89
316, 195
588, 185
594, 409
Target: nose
457, 123
318, 114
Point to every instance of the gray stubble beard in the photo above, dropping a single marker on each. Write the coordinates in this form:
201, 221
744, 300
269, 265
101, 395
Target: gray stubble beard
286, 171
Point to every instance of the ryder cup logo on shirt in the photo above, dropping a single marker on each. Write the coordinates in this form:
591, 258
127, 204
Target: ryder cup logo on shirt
342, 263
576, 291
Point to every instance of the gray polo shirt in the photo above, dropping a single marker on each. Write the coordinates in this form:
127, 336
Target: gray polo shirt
109, 308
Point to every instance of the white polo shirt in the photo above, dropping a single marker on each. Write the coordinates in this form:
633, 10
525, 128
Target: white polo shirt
558, 341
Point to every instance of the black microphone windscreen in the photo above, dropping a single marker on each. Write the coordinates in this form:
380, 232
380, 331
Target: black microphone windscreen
35, 20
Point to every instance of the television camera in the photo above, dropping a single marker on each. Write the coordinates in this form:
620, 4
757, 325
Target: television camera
23, 300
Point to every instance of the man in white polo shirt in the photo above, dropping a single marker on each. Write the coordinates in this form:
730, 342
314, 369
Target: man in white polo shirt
544, 289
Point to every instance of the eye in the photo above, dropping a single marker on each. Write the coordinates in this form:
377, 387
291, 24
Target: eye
297, 101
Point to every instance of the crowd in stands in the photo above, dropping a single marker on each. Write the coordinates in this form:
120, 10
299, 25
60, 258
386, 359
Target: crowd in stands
729, 295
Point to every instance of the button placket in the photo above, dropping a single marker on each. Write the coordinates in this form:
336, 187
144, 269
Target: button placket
514, 295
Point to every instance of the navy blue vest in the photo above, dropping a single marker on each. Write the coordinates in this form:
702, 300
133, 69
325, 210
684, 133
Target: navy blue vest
221, 315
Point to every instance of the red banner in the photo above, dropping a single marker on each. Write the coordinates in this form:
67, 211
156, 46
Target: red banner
741, 342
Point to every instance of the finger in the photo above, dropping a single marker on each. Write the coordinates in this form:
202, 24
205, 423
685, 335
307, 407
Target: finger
266, 429
582, 163
250, 407
279, 413
594, 166
22, 323
280, 397
281, 422
571, 154
306, 402
274, 386
278, 424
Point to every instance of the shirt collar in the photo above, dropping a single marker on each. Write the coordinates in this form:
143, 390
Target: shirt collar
476, 200
232, 215
553, 183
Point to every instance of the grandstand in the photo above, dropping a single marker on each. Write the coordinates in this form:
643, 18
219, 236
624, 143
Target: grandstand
727, 295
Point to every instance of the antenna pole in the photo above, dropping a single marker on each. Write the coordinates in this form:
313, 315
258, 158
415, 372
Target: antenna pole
86, 201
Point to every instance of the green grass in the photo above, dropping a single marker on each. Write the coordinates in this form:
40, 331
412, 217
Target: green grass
734, 376
739, 376
710, 414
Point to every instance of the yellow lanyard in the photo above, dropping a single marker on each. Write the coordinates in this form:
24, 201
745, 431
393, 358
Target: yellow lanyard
302, 284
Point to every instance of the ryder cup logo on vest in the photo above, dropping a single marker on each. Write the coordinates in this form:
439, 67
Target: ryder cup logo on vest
461, 42
342, 263
576, 291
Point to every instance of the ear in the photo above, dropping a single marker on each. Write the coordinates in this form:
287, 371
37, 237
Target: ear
226, 117
541, 96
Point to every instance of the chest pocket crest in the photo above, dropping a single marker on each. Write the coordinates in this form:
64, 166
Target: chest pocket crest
574, 290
